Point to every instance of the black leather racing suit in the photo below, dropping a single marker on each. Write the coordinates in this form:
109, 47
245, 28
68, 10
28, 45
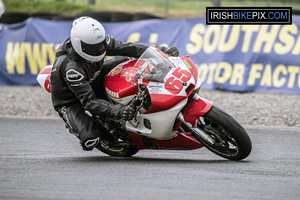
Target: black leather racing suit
76, 87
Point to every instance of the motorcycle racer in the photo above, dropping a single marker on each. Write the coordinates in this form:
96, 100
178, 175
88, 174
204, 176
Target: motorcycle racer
77, 80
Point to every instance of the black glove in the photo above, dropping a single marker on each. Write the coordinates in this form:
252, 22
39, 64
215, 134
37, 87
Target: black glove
171, 51
126, 112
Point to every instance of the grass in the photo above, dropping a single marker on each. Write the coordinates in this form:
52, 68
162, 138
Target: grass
177, 8
50, 6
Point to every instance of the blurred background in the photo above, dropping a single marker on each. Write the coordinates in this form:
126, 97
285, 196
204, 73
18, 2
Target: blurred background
269, 99
125, 10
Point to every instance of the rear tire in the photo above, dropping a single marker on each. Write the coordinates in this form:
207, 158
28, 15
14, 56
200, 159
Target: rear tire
231, 139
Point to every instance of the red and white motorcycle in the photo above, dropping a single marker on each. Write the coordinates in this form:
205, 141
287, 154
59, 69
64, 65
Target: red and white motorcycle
170, 114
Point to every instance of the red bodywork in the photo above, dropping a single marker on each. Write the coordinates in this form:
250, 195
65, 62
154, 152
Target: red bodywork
118, 87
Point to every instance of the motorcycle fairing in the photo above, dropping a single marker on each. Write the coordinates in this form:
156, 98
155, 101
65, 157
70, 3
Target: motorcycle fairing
43, 78
166, 95
191, 114
161, 123
117, 89
182, 141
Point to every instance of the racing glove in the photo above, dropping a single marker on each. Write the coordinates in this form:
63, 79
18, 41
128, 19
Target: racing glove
125, 112
171, 51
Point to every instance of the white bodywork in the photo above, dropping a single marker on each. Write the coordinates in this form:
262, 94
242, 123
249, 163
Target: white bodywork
161, 123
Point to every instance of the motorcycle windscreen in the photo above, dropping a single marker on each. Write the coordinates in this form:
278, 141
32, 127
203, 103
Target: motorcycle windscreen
151, 66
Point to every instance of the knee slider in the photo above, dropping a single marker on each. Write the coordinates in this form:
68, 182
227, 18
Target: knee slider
89, 143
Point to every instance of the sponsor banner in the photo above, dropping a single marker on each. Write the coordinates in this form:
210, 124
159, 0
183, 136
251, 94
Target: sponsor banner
241, 58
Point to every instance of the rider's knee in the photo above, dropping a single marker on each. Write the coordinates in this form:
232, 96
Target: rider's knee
89, 143
89, 138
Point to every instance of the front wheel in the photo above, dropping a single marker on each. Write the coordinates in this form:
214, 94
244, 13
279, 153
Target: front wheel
127, 150
231, 140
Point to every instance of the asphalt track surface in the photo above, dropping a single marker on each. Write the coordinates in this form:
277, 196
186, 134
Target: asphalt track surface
39, 159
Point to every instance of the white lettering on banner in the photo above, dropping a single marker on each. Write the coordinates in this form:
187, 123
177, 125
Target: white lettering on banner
263, 75
37, 55
255, 38
233, 39
222, 72
239, 55
278, 77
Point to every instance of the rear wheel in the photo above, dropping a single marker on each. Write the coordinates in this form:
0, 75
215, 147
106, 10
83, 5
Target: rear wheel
231, 140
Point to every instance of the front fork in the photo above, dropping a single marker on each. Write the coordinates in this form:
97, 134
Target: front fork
191, 114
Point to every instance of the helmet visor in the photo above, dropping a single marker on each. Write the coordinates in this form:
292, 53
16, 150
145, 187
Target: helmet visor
93, 49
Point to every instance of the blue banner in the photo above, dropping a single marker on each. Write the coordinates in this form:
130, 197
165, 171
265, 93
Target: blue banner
239, 58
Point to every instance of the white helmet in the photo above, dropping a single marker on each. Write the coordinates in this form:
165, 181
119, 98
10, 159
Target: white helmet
88, 38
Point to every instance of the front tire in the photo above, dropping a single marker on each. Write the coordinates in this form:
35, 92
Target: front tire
119, 151
231, 139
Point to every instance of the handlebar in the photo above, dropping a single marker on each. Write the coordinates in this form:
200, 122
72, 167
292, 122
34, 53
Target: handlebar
138, 101
135, 102
141, 70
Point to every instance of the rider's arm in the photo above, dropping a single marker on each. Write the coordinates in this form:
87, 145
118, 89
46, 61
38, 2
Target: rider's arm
115, 47
76, 79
